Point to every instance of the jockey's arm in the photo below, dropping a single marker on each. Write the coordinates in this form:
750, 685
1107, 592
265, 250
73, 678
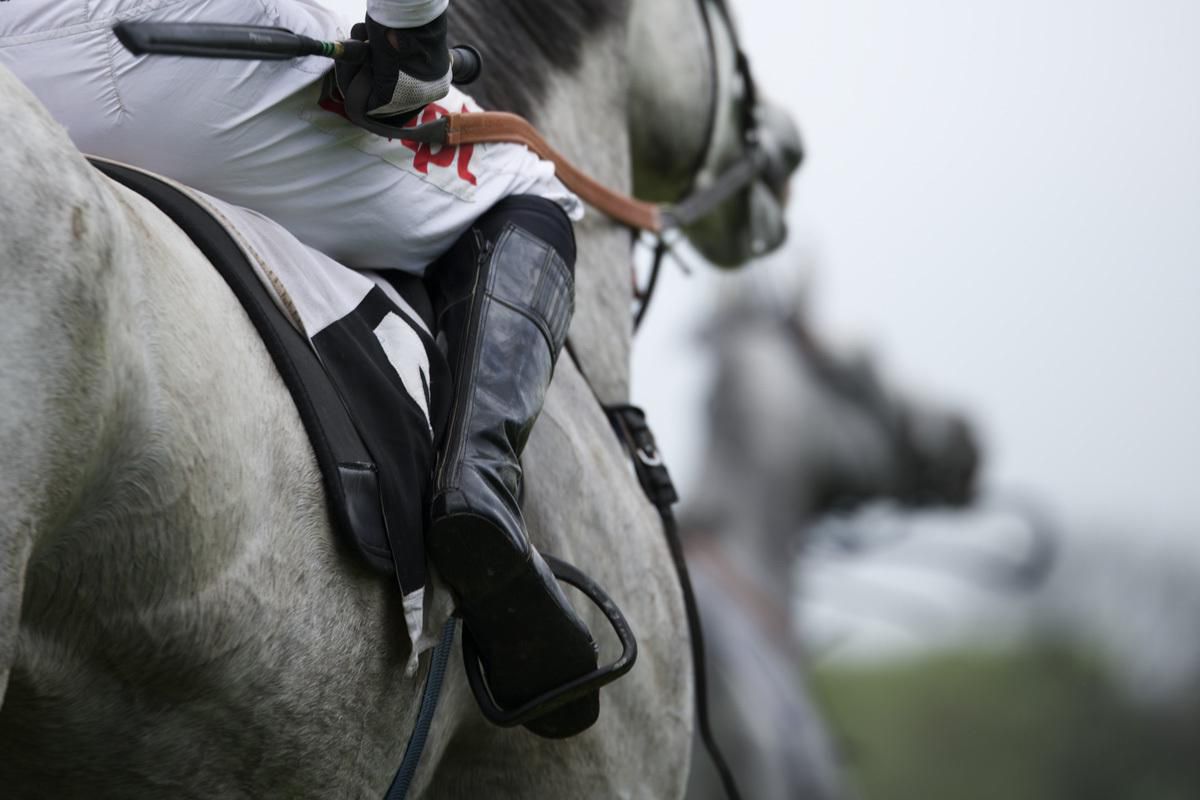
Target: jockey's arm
413, 68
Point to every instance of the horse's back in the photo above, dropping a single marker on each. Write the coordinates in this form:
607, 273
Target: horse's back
189, 586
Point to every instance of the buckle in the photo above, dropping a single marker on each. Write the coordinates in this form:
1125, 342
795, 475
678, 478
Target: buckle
648, 454
572, 689
629, 422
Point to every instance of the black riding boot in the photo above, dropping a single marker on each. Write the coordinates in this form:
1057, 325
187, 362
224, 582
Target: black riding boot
504, 296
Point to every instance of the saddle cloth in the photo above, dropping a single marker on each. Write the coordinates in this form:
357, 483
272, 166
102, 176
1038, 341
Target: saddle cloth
366, 375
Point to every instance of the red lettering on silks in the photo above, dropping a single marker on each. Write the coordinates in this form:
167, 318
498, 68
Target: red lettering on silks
421, 149
464, 163
464, 158
445, 156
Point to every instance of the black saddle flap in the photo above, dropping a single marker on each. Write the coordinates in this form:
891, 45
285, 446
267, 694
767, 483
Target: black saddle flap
371, 439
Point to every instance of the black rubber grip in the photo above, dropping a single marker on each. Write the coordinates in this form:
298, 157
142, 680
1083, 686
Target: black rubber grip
466, 63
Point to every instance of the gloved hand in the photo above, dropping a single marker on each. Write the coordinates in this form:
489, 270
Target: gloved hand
410, 68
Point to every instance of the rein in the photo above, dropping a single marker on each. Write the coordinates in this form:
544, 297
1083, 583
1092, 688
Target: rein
702, 198
484, 127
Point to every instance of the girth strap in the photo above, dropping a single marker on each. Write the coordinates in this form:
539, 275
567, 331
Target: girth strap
629, 422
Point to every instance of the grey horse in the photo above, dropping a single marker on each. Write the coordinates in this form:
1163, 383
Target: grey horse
797, 430
176, 616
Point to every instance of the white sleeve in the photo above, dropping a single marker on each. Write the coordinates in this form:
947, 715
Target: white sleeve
405, 13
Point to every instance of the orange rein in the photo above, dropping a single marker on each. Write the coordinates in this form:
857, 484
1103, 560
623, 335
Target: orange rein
499, 126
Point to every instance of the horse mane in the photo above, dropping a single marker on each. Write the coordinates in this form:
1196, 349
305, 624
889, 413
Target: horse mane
526, 42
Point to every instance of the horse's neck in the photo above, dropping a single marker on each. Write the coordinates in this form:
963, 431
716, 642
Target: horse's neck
748, 519
616, 85
564, 66
645, 92
671, 93
638, 95
598, 140
780, 441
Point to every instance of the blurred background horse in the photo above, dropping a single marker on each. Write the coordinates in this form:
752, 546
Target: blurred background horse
798, 429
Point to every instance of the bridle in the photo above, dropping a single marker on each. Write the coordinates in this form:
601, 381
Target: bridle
709, 187
697, 200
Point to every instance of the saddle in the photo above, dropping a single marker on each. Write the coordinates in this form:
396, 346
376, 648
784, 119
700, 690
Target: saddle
368, 386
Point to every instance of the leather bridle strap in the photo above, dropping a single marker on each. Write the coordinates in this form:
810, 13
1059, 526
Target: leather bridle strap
484, 127
703, 202
487, 127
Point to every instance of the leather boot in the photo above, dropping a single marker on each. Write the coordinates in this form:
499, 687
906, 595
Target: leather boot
504, 296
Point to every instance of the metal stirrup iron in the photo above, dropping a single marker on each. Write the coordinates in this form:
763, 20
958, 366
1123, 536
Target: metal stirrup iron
584, 684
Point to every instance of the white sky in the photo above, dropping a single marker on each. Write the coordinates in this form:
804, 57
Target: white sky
1006, 198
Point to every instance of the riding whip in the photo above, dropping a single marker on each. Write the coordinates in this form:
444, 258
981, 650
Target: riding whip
259, 42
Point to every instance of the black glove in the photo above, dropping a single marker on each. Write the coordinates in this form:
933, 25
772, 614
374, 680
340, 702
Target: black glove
409, 75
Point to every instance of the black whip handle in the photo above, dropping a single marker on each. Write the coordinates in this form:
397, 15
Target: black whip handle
259, 42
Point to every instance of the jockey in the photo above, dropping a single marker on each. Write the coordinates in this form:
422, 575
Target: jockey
493, 238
